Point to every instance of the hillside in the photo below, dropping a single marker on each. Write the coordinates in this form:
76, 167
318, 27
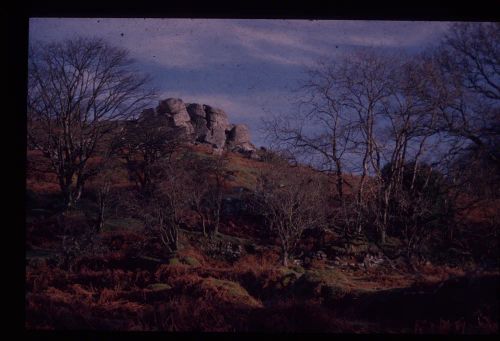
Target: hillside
233, 281
373, 207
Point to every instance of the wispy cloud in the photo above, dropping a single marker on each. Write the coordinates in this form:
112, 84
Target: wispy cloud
196, 43
245, 67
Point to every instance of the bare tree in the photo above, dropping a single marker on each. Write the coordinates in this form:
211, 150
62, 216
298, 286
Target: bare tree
199, 188
105, 191
472, 51
78, 91
407, 135
164, 209
466, 91
217, 174
102, 199
206, 189
461, 88
326, 142
344, 107
419, 205
368, 109
291, 201
144, 144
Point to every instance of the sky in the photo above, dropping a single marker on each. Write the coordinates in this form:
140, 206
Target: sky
247, 67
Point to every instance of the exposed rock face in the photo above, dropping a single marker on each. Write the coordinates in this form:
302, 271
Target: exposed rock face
199, 121
204, 124
217, 124
239, 138
177, 115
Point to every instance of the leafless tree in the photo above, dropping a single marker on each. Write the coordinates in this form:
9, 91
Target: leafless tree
199, 188
105, 191
473, 51
164, 209
207, 176
217, 174
466, 90
102, 197
78, 91
345, 108
407, 134
370, 109
144, 144
291, 201
461, 88
419, 205
327, 141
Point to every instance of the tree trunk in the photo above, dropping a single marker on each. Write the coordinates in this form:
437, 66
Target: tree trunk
285, 258
340, 183
71, 195
68, 199
385, 216
217, 212
382, 235
78, 192
203, 224
216, 227
100, 222
100, 214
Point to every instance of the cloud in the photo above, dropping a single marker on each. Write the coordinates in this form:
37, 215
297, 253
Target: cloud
243, 66
198, 43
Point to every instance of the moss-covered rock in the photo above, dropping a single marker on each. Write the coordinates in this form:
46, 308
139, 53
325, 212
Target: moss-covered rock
174, 261
159, 287
298, 269
328, 284
191, 261
287, 280
231, 292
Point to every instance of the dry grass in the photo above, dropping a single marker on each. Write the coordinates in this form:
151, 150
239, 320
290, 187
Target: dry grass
114, 290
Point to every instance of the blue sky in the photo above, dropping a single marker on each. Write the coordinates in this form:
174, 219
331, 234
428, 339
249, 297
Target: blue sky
246, 67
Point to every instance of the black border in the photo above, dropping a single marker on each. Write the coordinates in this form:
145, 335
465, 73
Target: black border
479, 10
16, 21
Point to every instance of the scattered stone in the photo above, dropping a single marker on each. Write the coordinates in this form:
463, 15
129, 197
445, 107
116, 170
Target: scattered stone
320, 255
297, 262
371, 261
225, 250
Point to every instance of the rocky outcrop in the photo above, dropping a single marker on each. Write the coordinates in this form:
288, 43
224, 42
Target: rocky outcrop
176, 113
198, 121
218, 124
239, 138
202, 123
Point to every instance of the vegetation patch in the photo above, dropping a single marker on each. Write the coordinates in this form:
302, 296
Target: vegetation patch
231, 291
159, 287
123, 224
191, 261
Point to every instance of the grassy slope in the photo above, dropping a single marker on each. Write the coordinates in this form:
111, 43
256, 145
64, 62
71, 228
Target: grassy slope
123, 287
